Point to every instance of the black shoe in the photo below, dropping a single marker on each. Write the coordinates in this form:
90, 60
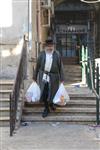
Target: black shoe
45, 112
52, 107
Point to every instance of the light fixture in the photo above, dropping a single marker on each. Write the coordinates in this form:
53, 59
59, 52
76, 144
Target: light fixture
90, 1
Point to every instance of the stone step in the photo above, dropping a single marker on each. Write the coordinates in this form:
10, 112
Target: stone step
74, 110
70, 71
72, 75
67, 106
72, 67
77, 66
4, 121
81, 108
4, 111
4, 108
4, 99
81, 96
69, 62
6, 84
78, 75
5, 90
5, 93
4, 118
63, 118
72, 80
4, 102
71, 103
5, 114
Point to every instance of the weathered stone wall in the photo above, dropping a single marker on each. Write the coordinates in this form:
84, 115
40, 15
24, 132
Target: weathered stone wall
11, 34
12, 28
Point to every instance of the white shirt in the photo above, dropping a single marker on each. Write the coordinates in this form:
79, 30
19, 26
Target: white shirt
48, 65
48, 62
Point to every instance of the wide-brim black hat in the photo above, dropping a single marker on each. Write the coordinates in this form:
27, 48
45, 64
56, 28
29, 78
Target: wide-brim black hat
49, 42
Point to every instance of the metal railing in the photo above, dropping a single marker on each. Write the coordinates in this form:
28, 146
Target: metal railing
14, 96
94, 84
91, 76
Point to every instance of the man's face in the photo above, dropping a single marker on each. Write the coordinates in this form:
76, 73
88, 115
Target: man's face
49, 47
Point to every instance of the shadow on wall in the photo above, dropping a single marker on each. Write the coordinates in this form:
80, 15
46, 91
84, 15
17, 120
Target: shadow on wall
9, 61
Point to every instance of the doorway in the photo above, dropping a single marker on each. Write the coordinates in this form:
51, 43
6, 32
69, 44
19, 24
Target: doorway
69, 40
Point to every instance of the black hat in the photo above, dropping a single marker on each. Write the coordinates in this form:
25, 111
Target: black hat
49, 41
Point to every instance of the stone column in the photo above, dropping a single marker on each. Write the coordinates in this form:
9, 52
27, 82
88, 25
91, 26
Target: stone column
32, 51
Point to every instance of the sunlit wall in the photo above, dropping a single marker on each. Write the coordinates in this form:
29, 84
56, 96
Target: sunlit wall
5, 13
13, 20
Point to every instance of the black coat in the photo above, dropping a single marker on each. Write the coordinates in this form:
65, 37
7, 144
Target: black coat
56, 74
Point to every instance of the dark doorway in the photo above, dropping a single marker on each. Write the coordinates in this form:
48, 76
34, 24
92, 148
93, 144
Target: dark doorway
71, 29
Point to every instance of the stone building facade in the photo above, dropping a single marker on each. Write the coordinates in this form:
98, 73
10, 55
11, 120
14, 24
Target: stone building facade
87, 17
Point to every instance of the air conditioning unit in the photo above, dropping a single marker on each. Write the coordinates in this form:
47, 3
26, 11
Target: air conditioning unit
46, 14
46, 4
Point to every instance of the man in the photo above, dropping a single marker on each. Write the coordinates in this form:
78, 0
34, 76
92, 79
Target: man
49, 73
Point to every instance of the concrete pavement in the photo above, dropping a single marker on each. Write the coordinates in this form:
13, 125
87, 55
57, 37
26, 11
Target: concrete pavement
51, 136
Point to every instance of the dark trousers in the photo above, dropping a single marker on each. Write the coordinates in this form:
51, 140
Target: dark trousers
45, 95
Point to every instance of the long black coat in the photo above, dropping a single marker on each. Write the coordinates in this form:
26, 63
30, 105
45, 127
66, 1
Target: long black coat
56, 74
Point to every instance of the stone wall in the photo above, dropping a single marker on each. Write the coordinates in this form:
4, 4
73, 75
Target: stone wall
12, 29
12, 34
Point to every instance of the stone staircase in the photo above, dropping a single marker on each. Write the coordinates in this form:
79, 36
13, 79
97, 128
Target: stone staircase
72, 74
80, 109
70, 60
5, 90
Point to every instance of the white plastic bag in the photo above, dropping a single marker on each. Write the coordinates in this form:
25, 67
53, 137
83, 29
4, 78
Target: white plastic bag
61, 97
33, 93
